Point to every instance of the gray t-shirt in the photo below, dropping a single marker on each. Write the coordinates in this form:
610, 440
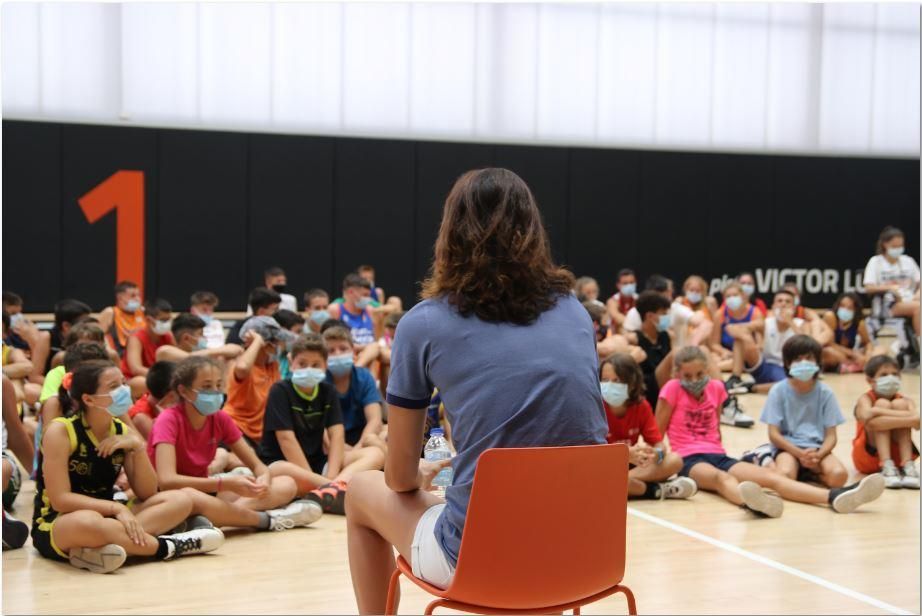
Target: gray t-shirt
503, 385
802, 418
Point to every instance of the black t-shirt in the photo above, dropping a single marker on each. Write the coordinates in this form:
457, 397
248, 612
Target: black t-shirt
286, 409
656, 352
233, 334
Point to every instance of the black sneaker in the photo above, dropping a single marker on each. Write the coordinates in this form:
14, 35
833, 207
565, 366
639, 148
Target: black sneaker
849, 498
15, 532
732, 414
760, 456
736, 385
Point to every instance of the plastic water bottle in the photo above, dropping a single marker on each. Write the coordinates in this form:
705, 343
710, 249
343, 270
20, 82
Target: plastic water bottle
437, 449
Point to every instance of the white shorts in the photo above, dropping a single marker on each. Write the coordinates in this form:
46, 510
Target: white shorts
428, 560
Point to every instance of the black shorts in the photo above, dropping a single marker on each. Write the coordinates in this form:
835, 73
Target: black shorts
43, 543
354, 435
717, 460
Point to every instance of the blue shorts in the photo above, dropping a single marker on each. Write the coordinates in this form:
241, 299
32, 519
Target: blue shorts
717, 460
768, 373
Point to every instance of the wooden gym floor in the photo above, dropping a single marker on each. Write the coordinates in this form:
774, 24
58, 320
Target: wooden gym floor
701, 556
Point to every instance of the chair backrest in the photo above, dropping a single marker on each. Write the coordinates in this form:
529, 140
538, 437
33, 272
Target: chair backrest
545, 526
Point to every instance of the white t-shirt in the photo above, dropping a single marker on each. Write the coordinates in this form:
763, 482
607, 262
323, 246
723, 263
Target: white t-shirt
775, 339
905, 273
214, 334
679, 314
288, 303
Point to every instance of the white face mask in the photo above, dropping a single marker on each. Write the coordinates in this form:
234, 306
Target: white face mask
162, 327
887, 385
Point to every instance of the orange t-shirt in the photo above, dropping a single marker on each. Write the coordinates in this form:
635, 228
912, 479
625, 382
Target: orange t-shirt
246, 400
123, 325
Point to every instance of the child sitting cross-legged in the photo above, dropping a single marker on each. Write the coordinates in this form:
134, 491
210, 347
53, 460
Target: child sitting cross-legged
298, 411
630, 417
688, 412
885, 423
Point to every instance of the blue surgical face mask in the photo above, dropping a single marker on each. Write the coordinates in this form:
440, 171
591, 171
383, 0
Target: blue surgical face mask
340, 365
803, 370
362, 303
895, 252
887, 385
662, 324
208, 402
629, 290
16, 319
693, 296
615, 394
320, 316
734, 302
132, 305
748, 289
845, 314
308, 378
201, 345
121, 401
207, 318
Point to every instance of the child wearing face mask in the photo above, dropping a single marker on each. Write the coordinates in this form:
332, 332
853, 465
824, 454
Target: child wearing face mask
298, 412
851, 344
159, 396
75, 518
883, 437
355, 311
688, 413
892, 279
316, 302
630, 417
189, 339
653, 339
802, 415
359, 397
254, 373
141, 348
183, 442
203, 304
624, 298
124, 318
747, 284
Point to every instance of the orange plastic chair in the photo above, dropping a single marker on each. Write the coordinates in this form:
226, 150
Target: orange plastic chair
545, 533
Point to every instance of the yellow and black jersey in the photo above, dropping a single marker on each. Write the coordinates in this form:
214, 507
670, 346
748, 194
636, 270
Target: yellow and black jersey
90, 475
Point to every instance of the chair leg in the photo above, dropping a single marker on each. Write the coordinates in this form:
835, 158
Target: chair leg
392, 590
431, 607
576, 611
631, 604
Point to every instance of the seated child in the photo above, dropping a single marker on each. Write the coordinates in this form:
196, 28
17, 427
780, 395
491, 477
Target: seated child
608, 343
188, 333
124, 318
851, 344
355, 311
653, 338
298, 411
587, 290
359, 398
183, 443
141, 347
747, 284
629, 417
688, 412
15, 442
885, 423
802, 415
293, 322
623, 300
203, 304
75, 518
262, 302
159, 396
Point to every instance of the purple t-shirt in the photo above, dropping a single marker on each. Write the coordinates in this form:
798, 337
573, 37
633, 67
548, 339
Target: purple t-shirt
503, 385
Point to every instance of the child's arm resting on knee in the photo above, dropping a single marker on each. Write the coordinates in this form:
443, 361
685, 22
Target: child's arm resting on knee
337, 450
56, 452
171, 480
777, 439
829, 443
140, 472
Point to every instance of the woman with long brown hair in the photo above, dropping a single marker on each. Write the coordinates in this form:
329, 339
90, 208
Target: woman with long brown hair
512, 353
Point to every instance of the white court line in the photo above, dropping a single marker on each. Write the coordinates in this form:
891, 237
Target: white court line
770, 563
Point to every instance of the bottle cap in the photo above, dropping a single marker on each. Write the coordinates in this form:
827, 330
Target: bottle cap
437, 432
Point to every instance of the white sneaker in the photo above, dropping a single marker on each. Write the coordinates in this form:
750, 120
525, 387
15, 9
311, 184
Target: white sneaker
680, 487
759, 502
849, 498
732, 414
198, 541
910, 477
106, 559
298, 513
241, 471
891, 475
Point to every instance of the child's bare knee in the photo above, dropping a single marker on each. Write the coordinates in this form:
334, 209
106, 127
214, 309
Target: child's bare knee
836, 478
883, 403
900, 405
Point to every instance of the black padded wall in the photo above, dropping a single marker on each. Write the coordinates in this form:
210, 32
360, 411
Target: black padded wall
223, 206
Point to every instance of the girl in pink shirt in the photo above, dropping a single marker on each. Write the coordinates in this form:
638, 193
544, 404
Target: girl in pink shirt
688, 413
183, 442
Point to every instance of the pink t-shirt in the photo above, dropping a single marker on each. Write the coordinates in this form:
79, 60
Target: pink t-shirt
195, 449
694, 425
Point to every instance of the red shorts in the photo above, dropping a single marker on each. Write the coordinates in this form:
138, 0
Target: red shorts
864, 454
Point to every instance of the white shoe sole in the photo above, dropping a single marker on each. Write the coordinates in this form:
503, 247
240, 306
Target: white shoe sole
757, 500
736, 423
310, 513
106, 559
870, 488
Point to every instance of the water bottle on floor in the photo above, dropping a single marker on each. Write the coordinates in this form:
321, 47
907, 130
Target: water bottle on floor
437, 449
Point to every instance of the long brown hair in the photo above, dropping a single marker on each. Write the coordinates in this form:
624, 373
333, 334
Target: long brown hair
492, 255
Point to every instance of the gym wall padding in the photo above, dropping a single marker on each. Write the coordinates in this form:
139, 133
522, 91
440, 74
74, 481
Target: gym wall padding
222, 206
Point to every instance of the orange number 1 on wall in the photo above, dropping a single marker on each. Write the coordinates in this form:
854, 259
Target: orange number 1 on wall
123, 192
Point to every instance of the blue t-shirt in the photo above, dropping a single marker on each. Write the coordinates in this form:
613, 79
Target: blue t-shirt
503, 385
802, 418
362, 391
